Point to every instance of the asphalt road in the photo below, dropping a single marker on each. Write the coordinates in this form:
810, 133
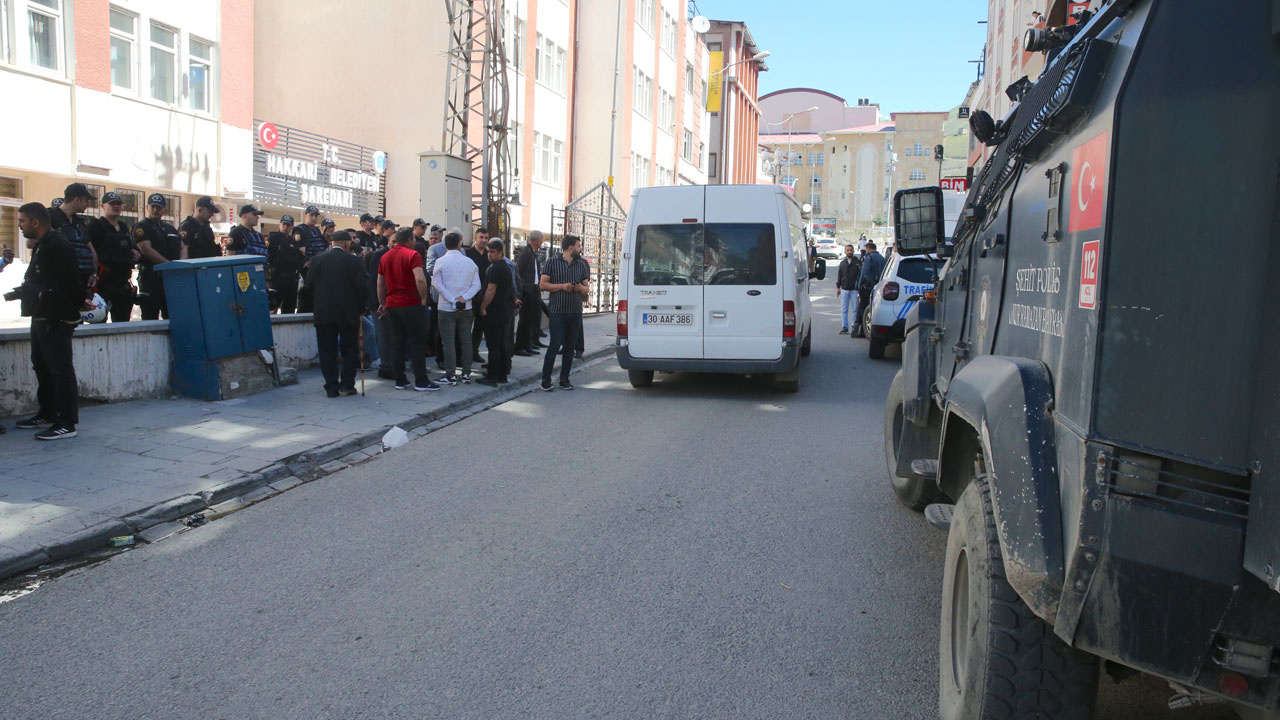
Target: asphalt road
706, 548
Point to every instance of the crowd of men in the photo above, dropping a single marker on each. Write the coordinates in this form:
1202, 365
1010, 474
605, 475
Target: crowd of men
382, 296
857, 277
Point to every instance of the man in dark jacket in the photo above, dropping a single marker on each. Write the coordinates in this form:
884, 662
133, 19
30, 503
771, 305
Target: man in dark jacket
158, 241
117, 254
67, 220
285, 258
479, 254
872, 267
53, 295
847, 286
528, 264
340, 297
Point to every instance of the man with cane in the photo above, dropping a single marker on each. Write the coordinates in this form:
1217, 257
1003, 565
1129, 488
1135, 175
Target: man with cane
339, 299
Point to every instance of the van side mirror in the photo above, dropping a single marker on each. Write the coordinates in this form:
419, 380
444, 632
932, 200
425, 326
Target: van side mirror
917, 220
819, 270
946, 250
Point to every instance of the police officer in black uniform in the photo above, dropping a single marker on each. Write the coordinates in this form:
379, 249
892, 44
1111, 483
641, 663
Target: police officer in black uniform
367, 237
308, 235
197, 233
158, 242
118, 254
285, 259
65, 218
327, 229
245, 238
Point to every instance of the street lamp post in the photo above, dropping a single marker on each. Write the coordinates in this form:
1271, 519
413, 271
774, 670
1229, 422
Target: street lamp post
788, 120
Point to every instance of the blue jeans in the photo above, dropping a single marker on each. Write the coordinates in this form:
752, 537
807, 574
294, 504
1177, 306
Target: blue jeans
370, 339
565, 329
848, 303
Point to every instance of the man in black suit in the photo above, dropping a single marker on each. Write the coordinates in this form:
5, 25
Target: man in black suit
528, 269
339, 298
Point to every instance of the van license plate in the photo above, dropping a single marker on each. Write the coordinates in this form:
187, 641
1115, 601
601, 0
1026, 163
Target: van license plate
666, 319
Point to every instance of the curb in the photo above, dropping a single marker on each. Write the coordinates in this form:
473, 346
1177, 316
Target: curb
253, 487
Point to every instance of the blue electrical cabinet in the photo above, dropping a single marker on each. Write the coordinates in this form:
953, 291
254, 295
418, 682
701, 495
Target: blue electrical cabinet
218, 313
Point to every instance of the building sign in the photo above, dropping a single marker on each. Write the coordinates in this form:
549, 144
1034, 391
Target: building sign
962, 113
294, 168
957, 184
825, 226
714, 87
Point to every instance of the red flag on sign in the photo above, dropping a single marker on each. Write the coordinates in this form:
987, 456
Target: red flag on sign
1089, 183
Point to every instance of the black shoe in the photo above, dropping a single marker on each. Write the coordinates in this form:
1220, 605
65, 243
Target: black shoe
547, 386
32, 423
331, 393
465, 378
524, 353
429, 387
57, 432
348, 391
448, 380
486, 380
844, 331
402, 384
578, 355
566, 385
386, 374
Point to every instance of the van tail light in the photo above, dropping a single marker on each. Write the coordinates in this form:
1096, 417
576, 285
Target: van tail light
788, 319
622, 318
890, 291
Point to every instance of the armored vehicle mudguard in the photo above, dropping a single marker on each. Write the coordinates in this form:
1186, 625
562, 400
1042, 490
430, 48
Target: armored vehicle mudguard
1095, 380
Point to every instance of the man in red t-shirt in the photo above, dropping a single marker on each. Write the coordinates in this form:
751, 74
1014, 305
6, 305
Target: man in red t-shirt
402, 297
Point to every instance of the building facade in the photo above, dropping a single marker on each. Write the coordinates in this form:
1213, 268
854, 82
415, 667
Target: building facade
660, 133
915, 136
131, 96
734, 81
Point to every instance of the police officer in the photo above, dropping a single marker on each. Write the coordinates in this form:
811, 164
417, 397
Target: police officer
196, 232
245, 238
308, 235
327, 229
116, 251
66, 219
158, 242
285, 259
367, 238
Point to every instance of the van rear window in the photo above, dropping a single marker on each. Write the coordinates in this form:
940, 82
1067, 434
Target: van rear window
715, 254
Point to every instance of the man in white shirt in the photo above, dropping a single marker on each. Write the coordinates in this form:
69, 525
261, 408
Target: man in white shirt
456, 279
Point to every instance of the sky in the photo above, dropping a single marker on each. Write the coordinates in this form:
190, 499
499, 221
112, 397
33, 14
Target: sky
906, 55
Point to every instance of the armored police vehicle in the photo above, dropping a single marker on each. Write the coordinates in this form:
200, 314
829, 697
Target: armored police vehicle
1095, 384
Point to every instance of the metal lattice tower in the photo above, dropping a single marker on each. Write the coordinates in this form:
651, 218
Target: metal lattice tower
476, 100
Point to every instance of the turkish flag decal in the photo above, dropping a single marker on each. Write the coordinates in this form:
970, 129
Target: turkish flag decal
1089, 183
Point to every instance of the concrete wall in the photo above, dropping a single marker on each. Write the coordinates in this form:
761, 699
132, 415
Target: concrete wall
126, 361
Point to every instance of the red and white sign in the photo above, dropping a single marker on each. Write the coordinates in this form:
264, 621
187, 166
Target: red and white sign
268, 135
1089, 183
957, 184
1073, 8
1089, 275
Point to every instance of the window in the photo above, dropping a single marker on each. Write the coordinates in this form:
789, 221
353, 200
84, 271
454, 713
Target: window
697, 159
172, 208
819, 158
124, 38
704, 93
668, 33
4, 41
548, 158
917, 149
815, 199
712, 164
797, 159
690, 78
550, 64
686, 151
515, 53
199, 73
44, 33
644, 14
666, 112
164, 43
639, 171
714, 254
513, 148
916, 174
666, 177
642, 98
132, 203
817, 180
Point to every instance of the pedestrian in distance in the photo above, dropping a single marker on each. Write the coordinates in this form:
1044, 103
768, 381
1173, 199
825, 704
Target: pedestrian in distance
117, 255
497, 311
245, 238
284, 263
457, 281
568, 279
197, 230
158, 242
872, 265
479, 254
528, 269
341, 289
51, 295
66, 218
402, 294
847, 286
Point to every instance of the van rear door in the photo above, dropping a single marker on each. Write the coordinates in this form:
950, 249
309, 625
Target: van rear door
664, 303
743, 273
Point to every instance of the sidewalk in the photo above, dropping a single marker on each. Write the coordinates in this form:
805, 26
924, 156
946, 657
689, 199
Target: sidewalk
138, 464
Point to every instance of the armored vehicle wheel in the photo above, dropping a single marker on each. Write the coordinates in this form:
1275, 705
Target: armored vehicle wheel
640, 378
914, 492
996, 658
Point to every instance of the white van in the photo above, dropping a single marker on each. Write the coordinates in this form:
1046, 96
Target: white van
715, 279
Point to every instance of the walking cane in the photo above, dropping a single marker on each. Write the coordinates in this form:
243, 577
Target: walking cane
361, 336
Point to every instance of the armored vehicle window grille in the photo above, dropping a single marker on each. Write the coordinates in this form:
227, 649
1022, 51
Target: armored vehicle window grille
1041, 103
1181, 484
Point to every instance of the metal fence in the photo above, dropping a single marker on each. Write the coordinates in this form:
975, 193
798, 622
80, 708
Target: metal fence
597, 217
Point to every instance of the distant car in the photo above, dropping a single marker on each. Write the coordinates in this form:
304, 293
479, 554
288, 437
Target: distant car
904, 280
828, 248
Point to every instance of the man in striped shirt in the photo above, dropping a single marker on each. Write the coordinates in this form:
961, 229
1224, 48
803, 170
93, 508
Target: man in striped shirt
568, 279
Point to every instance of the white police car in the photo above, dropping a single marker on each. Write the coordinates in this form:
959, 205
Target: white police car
904, 280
